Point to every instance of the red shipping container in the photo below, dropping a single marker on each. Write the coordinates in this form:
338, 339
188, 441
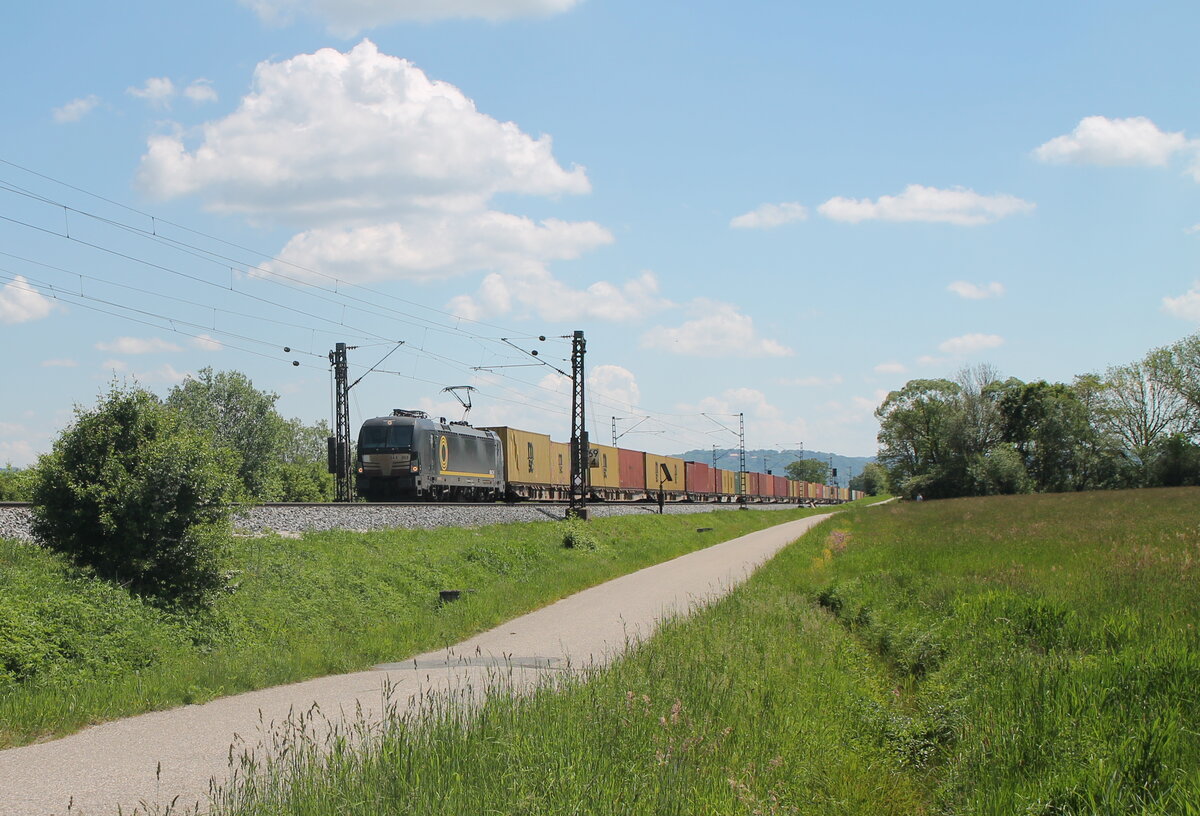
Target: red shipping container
633, 469
699, 478
753, 486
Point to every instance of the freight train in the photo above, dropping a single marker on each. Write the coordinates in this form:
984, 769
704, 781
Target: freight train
409, 456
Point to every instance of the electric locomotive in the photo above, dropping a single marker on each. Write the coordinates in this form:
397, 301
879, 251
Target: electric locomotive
408, 456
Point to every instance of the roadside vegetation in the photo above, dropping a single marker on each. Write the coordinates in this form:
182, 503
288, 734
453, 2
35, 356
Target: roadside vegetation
76, 648
1013, 655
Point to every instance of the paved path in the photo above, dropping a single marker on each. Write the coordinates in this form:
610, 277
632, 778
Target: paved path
155, 757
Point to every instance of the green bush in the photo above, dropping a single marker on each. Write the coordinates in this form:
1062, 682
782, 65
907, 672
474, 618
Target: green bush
15, 484
132, 493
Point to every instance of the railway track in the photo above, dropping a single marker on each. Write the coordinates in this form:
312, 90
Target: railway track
295, 518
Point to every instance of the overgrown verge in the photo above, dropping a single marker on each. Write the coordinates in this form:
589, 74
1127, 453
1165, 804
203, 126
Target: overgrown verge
75, 650
1044, 651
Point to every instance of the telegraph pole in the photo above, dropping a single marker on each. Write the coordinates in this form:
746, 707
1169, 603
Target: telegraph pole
579, 437
742, 451
339, 444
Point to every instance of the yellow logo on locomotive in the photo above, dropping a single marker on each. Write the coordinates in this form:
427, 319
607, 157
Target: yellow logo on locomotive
444, 453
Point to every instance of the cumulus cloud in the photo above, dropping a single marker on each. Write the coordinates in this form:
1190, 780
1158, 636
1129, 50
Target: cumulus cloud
137, 345
970, 343
20, 302
719, 330
1185, 306
770, 215
1135, 141
201, 90
157, 91
958, 206
389, 174
348, 19
764, 419
534, 290
76, 109
615, 384
337, 137
891, 368
434, 247
972, 291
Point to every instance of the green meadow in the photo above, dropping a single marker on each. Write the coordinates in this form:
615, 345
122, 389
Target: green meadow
75, 650
1010, 655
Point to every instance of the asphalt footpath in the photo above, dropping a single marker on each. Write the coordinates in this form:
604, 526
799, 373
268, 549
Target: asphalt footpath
153, 760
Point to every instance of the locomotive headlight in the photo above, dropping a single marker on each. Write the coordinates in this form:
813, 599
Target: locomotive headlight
415, 469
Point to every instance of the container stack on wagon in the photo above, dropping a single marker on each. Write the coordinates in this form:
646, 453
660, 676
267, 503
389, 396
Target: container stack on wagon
409, 455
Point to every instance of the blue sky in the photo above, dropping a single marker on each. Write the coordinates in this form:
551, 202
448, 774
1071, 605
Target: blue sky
777, 209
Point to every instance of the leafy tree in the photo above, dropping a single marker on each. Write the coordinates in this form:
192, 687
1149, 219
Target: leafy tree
136, 494
15, 484
1174, 461
916, 446
999, 471
1177, 367
873, 480
303, 475
240, 418
305, 443
1049, 426
1138, 411
808, 470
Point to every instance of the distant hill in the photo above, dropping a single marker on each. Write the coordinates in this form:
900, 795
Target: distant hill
761, 461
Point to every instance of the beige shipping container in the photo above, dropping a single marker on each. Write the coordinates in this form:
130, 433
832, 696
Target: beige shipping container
560, 463
526, 456
654, 473
607, 472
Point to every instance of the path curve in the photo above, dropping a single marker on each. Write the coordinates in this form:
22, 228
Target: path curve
154, 758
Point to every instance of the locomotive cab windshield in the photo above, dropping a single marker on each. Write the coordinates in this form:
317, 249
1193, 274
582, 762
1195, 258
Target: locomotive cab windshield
391, 438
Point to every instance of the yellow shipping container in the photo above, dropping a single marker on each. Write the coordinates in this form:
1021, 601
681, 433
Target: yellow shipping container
728, 487
560, 463
654, 474
607, 472
526, 456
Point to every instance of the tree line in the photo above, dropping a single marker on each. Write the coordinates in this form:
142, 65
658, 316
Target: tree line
274, 459
1135, 425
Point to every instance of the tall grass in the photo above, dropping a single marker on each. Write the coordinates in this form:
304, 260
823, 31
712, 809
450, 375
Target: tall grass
1023, 655
74, 650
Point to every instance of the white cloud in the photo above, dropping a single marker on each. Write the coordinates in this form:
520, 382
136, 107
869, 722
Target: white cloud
615, 384
929, 204
165, 373
433, 247
764, 420
1185, 306
76, 109
332, 138
157, 91
349, 18
1100, 140
206, 342
972, 291
137, 345
59, 363
20, 302
720, 330
389, 175
18, 453
891, 368
770, 215
535, 290
201, 90
970, 343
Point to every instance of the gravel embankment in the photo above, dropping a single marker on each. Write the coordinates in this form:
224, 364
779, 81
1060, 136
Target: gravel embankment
14, 521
